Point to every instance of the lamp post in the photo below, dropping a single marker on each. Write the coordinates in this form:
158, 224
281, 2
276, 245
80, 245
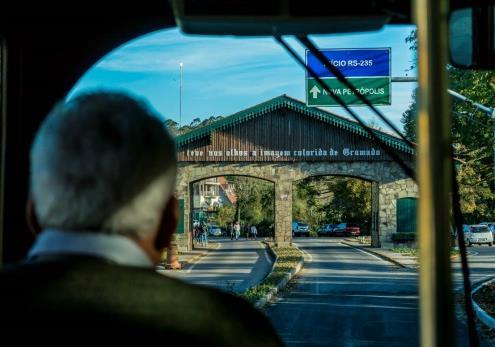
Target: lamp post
180, 96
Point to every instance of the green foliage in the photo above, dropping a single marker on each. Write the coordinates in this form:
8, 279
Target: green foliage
403, 237
224, 216
473, 137
321, 200
409, 119
255, 202
405, 251
175, 130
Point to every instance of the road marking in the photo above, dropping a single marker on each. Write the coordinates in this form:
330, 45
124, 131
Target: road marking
307, 254
368, 253
201, 259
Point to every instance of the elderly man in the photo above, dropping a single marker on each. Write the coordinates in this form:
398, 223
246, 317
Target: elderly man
102, 176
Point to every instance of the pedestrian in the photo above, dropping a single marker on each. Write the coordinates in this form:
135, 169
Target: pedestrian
237, 230
254, 232
204, 235
197, 233
231, 231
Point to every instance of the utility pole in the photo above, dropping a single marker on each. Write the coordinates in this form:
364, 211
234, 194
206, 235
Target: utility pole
434, 168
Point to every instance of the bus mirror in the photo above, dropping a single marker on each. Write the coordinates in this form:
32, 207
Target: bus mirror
472, 39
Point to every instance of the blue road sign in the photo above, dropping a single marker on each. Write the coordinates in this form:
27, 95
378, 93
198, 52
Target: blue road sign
367, 69
359, 62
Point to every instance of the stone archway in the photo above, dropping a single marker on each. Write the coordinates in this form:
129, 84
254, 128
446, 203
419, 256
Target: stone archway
282, 140
389, 183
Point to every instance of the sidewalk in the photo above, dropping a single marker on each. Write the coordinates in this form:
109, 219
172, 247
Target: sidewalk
188, 258
405, 261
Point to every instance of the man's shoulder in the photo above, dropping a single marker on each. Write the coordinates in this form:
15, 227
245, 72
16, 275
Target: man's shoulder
96, 288
85, 291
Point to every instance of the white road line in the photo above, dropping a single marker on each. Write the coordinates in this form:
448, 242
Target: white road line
370, 254
201, 259
307, 254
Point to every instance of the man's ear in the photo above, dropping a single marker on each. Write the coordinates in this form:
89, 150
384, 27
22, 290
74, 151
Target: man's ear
31, 219
168, 224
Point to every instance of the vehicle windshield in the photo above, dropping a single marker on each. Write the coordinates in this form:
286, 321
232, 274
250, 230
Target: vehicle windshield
243, 107
480, 229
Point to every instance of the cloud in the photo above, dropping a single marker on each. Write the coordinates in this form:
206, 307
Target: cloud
163, 53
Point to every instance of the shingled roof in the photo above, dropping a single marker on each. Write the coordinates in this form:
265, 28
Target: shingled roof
284, 101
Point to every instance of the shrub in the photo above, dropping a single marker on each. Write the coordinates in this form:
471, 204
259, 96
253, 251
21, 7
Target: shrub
403, 237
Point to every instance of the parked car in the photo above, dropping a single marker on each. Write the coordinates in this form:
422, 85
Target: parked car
491, 226
347, 229
478, 234
326, 230
300, 229
214, 230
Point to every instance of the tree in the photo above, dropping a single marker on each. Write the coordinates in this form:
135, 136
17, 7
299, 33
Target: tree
255, 202
172, 126
195, 123
473, 137
409, 119
224, 216
321, 200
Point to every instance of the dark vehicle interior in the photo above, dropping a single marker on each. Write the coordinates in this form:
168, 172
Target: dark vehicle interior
46, 47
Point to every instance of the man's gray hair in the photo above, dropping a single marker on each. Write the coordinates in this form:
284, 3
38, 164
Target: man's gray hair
102, 162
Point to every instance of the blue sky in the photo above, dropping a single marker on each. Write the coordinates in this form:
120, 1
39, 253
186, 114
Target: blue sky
222, 75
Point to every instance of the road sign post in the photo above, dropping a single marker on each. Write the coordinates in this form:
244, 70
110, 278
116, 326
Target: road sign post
369, 71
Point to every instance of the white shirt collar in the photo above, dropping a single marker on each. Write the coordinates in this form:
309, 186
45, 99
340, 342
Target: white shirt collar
115, 248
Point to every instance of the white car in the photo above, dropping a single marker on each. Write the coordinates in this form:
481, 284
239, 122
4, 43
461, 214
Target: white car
215, 230
478, 234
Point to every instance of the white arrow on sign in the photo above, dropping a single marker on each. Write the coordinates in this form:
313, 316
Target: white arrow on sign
315, 91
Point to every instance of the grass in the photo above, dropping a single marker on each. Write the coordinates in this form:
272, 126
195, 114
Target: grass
287, 260
364, 240
408, 251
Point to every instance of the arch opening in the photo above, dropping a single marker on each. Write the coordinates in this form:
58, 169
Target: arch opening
332, 206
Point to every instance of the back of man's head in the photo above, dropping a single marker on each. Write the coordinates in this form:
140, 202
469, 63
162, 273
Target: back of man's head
102, 162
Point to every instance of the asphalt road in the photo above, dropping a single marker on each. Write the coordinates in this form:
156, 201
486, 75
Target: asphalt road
234, 266
481, 265
345, 297
481, 260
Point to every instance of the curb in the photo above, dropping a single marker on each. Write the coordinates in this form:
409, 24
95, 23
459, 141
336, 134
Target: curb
384, 257
488, 320
283, 282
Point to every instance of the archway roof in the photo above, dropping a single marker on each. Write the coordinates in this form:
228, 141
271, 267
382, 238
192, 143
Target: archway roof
284, 101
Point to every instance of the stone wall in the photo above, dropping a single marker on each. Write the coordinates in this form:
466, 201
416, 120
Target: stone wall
392, 184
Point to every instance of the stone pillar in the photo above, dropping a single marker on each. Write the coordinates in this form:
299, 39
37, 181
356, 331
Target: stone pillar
172, 261
283, 213
375, 235
184, 240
